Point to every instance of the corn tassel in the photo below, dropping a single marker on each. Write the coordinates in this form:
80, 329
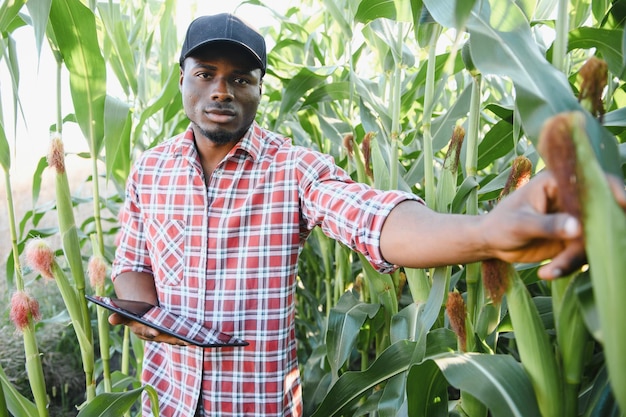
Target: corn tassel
24, 313
457, 314
604, 225
594, 76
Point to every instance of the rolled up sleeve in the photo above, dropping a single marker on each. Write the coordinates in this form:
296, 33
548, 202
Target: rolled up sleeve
347, 211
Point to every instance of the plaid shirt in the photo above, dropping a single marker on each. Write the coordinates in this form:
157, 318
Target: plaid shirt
224, 251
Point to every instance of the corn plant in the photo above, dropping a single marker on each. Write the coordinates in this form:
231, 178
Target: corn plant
530, 88
391, 80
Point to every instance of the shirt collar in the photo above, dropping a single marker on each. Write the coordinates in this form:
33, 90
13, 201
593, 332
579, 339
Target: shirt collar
251, 143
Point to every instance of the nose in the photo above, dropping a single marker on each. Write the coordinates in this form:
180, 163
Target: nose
221, 90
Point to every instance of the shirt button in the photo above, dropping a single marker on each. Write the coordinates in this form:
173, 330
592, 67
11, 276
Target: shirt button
217, 173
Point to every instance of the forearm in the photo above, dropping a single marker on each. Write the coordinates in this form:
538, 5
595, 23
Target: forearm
137, 286
415, 236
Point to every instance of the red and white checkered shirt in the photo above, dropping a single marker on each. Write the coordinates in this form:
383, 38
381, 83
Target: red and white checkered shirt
224, 251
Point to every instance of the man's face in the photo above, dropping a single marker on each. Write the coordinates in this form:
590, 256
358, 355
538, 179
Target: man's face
221, 89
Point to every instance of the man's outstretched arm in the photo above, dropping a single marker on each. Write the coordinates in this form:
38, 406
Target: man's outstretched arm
526, 226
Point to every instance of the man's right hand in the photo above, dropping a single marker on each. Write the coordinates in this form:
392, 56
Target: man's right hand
139, 286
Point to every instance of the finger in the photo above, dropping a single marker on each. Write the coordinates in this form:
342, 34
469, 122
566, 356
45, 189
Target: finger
162, 338
142, 331
570, 259
172, 340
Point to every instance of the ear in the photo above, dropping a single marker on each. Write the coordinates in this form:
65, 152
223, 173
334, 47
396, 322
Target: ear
181, 77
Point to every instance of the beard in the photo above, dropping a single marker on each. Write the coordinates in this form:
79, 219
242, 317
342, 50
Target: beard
222, 137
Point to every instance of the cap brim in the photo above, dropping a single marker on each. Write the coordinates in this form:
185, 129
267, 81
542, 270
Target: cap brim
243, 46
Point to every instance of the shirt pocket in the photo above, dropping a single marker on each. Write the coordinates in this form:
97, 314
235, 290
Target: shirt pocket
166, 240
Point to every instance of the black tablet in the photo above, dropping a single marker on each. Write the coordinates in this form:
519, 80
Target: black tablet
167, 322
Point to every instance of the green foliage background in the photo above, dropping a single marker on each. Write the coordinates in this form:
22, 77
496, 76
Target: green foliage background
386, 70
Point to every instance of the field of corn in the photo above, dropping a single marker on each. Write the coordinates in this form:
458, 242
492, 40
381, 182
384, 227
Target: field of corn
458, 101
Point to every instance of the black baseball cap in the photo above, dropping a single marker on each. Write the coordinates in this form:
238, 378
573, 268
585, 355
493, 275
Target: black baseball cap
224, 27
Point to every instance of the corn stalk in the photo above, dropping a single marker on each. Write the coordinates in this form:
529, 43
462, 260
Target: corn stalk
31, 349
535, 349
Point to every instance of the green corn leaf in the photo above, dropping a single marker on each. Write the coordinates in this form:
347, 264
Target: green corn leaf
381, 165
39, 12
398, 10
17, 404
497, 143
117, 139
395, 360
115, 404
344, 323
615, 118
387, 401
601, 402
75, 32
328, 92
498, 381
4, 411
167, 94
5, 150
352, 385
406, 325
502, 44
463, 194
381, 287
588, 308
297, 88
120, 56
9, 11
427, 391
446, 190
606, 41
571, 331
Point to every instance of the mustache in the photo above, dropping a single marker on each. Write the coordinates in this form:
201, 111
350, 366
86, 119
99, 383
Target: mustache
220, 107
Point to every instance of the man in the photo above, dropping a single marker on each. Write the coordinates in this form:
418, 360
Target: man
215, 218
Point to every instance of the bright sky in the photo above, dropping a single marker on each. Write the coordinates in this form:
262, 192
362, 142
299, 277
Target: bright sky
38, 84
257, 16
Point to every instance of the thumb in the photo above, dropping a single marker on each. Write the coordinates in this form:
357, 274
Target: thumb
568, 227
556, 226
115, 319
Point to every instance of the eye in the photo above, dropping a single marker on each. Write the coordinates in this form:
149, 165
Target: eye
241, 81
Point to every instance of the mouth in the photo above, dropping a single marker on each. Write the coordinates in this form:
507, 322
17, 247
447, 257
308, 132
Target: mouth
220, 115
